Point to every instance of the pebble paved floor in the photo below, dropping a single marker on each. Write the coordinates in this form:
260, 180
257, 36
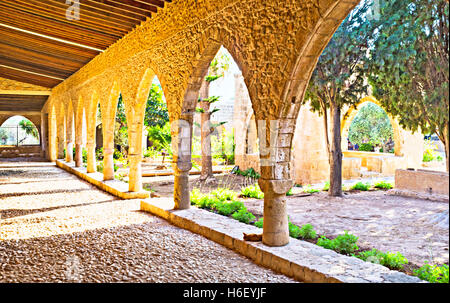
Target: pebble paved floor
57, 228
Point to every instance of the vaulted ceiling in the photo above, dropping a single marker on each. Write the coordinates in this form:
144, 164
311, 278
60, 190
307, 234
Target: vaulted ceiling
39, 45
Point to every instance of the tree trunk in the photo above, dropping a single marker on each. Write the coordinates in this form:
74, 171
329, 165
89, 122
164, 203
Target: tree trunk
336, 152
446, 144
207, 171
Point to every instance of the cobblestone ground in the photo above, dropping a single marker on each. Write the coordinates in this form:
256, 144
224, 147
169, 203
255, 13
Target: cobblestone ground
56, 228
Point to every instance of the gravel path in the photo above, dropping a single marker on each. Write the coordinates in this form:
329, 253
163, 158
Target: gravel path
56, 228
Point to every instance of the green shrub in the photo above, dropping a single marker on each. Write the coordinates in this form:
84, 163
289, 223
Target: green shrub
326, 187
383, 185
289, 193
195, 196
361, 186
433, 273
294, 230
151, 152
366, 147
394, 261
117, 155
260, 223
325, 242
100, 166
244, 216
307, 232
228, 208
390, 260
248, 173
208, 202
84, 153
344, 244
372, 256
308, 189
224, 194
252, 191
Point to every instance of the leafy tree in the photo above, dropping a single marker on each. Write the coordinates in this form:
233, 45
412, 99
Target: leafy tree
409, 67
216, 70
29, 128
338, 80
372, 125
156, 112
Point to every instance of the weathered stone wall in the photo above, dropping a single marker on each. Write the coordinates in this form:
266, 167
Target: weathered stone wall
422, 181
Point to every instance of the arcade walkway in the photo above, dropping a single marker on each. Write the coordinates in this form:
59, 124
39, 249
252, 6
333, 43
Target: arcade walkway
54, 227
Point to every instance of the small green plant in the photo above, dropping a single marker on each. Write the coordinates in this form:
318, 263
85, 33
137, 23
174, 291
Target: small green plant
366, 147
228, 208
294, 230
244, 216
373, 256
248, 173
289, 193
151, 153
394, 261
84, 153
361, 186
195, 196
260, 223
307, 232
308, 189
326, 187
383, 185
433, 273
224, 194
325, 242
388, 259
344, 244
252, 191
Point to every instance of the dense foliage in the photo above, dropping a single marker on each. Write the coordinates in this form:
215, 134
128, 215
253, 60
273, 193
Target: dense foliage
370, 125
409, 65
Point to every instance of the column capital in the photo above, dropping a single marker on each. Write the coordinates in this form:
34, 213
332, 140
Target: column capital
181, 167
280, 187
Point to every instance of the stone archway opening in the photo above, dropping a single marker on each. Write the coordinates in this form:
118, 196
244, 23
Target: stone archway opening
19, 137
156, 139
371, 141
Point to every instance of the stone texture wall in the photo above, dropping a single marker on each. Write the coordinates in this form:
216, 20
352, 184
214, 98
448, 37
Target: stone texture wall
422, 181
276, 59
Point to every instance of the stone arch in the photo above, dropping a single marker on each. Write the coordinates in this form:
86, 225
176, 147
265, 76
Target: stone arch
34, 119
353, 111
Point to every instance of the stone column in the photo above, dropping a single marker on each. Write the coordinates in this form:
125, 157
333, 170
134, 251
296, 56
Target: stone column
181, 192
108, 164
276, 179
182, 161
275, 229
135, 175
91, 163
61, 143
78, 154
69, 150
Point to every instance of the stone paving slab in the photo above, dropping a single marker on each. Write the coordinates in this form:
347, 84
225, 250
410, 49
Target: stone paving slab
301, 260
114, 187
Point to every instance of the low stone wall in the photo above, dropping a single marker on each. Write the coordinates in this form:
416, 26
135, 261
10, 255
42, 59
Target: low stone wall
114, 187
422, 181
20, 151
351, 168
